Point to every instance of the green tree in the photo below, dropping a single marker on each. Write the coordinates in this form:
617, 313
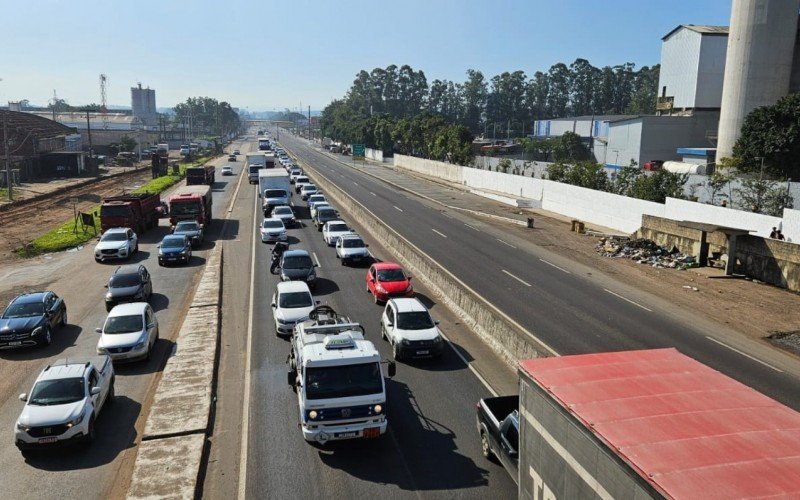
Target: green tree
475, 92
658, 186
626, 178
127, 143
588, 174
569, 147
581, 86
717, 181
772, 132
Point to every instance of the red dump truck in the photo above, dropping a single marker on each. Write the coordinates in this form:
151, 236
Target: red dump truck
190, 203
640, 424
200, 175
138, 212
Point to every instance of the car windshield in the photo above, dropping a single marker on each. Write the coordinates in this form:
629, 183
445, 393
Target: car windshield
415, 320
282, 211
24, 309
343, 381
301, 179
57, 392
326, 213
309, 187
123, 324
275, 193
295, 172
124, 280
335, 228
184, 208
187, 226
297, 262
292, 300
272, 224
114, 237
352, 243
173, 243
391, 275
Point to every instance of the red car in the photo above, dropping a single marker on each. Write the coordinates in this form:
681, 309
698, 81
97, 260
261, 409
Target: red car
386, 280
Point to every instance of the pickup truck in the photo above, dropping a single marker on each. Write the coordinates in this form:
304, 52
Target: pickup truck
498, 427
64, 402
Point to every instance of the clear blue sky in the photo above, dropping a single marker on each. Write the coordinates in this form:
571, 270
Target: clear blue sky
270, 54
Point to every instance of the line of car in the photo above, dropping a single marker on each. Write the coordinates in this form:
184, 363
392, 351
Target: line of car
405, 322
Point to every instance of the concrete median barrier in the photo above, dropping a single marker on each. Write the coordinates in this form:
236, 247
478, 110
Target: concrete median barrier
504, 335
170, 457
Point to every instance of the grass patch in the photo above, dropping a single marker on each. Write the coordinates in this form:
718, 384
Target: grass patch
63, 237
4, 193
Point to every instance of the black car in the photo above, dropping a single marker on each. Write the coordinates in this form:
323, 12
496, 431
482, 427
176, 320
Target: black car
29, 320
128, 284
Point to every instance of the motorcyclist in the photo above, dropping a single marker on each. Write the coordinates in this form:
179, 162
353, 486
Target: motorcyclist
277, 252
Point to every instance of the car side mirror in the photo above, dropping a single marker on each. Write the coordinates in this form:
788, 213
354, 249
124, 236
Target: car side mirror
95, 391
98, 330
316, 265
23, 397
366, 246
159, 245
392, 370
436, 322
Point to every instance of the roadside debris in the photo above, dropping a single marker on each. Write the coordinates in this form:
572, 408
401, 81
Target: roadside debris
644, 251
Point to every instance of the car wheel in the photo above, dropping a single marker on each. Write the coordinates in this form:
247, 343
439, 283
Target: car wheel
343, 262
136, 248
64, 318
486, 448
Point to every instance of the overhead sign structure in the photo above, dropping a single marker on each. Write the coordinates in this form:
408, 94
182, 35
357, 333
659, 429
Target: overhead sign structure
359, 152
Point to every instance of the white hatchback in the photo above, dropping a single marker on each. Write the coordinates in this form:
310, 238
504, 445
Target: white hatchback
333, 229
291, 304
272, 230
129, 333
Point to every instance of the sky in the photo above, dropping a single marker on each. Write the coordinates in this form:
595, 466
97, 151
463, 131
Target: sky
272, 55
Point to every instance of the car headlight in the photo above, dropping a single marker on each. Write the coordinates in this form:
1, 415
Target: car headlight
37, 331
109, 296
101, 350
377, 409
76, 421
380, 289
183, 252
23, 427
141, 344
313, 414
438, 339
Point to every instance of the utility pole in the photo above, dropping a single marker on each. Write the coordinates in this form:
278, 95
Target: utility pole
8, 160
89, 133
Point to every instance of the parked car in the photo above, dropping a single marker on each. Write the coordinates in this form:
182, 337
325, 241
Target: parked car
116, 243
351, 248
291, 303
64, 403
333, 229
296, 265
300, 181
30, 319
285, 214
226, 170
129, 332
386, 280
409, 328
323, 215
272, 230
129, 283
307, 190
191, 229
174, 248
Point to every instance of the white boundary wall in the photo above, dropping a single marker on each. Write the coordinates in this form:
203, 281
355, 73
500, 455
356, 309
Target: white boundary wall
374, 154
620, 213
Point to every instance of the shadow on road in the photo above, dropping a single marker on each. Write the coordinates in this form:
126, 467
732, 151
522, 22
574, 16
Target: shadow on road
158, 356
324, 286
63, 338
159, 301
115, 433
424, 448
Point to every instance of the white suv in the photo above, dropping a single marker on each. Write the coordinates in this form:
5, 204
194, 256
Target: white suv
333, 229
291, 304
409, 328
129, 333
116, 243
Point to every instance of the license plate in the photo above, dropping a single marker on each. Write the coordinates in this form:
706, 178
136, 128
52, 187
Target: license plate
422, 353
357, 258
48, 440
15, 343
347, 434
372, 432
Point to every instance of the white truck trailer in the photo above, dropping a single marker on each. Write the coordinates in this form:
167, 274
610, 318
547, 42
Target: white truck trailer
274, 188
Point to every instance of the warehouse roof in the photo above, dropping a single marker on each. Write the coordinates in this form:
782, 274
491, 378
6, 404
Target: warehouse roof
682, 426
37, 126
702, 29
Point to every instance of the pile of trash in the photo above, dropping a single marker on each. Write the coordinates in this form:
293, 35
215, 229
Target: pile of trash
644, 251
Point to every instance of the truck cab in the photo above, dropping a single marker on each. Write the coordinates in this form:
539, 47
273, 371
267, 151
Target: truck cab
337, 375
498, 427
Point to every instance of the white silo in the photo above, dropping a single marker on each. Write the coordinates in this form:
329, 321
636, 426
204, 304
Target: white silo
758, 65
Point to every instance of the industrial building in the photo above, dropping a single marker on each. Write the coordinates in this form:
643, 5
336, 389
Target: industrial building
106, 128
143, 104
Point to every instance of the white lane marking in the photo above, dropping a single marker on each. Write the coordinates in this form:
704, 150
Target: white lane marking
354, 182
723, 344
517, 278
469, 365
398, 208
373, 194
557, 267
316, 259
627, 300
471, 227
437, 232
246, 399
448, 216
505, 243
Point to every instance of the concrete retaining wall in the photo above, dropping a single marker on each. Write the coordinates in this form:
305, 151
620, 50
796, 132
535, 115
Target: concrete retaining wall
170, 456
374, 154
509, 339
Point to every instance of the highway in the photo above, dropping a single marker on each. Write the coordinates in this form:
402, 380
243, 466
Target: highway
570, 309
430, 450
103, 469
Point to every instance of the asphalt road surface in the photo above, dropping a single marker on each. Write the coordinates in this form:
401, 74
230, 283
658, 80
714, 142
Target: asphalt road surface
102, 470
571, 308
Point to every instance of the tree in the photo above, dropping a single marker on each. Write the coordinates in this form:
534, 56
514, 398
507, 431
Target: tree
772, 133
627, 177
581, 86
717, 182
569, 147
643, 101
475, 92
558, 93
127, 143
658, 186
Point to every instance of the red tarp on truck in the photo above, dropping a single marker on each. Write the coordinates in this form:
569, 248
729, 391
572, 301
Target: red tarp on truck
688, 430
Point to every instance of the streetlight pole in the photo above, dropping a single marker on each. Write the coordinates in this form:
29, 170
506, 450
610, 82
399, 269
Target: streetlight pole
6, 153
